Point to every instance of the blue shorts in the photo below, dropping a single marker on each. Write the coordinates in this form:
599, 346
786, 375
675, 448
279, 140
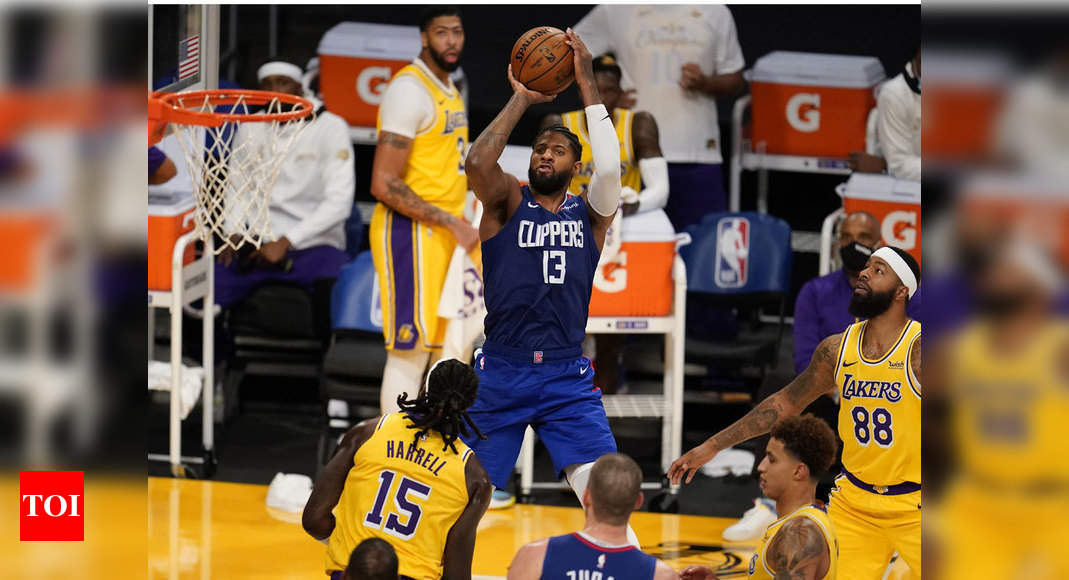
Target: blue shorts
557, 398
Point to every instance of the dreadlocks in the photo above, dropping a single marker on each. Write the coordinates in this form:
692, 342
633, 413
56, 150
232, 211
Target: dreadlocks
443, 403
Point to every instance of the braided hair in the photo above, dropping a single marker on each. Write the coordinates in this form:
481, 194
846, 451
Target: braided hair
443, 403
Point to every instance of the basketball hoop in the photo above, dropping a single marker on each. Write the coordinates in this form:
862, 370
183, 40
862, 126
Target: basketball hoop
234, 142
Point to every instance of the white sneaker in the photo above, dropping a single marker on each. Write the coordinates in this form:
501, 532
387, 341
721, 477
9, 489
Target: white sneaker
752, 524
501, 499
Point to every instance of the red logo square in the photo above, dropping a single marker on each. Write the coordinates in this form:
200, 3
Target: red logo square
51, 506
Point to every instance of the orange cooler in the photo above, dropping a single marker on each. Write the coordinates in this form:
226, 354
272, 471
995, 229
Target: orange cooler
812, 104
896, 203
167, 223
643, 285
356, 62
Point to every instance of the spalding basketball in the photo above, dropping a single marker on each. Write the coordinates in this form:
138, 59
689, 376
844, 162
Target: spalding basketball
542, 61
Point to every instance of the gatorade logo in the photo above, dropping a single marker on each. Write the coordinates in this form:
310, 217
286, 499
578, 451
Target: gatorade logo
612, 279
803, 112
370, 83
899, 229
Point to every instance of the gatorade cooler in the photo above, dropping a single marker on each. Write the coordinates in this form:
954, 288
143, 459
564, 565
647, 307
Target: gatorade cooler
356, 62
812, 104
962, 97
896, 203
1034, 205
167, 223
642, 285
23, 236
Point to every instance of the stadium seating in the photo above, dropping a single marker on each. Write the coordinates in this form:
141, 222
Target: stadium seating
353, 365
749, 277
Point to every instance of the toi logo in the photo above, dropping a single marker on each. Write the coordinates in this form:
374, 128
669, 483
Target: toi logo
51, 506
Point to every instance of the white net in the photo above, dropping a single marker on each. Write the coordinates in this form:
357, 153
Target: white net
234, 166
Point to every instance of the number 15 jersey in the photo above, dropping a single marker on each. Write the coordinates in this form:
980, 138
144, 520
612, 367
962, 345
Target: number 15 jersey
880, 409
406, 493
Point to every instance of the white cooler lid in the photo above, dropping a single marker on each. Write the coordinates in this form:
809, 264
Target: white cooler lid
650, 226
878, 187
366, 40
817, 69
169, 208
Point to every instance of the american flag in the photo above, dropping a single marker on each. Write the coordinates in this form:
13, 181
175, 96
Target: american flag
188, 57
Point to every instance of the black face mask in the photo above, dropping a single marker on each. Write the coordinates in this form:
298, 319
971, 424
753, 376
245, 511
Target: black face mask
855, 255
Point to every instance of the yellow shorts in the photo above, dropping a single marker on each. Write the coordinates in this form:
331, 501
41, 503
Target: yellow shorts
872, 527
411, 259
986, 533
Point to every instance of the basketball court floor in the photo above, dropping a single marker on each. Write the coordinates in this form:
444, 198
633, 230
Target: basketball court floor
209, 529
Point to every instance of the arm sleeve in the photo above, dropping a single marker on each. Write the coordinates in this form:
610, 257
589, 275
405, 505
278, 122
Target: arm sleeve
806, 327
339, 182
604, 193
729, 57
406, 107
654, 194
896, 138
595, 31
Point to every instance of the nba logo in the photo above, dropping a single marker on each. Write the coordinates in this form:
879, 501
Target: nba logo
732, 252
538, 357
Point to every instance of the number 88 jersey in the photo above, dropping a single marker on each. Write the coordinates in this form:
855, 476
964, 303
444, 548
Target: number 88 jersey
404, 492
879, 409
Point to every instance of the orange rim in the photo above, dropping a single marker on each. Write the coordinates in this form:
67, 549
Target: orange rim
175, 107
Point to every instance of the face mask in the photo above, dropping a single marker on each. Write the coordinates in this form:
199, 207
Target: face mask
855, 255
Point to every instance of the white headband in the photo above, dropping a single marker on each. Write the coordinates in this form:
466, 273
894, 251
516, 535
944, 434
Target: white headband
899, 266
427, 381
280, 68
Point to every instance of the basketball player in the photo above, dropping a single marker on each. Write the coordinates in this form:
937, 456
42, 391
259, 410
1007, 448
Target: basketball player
876, 504
418, 178
408, 479
601, 549
1006, 377
540, 249
373, 559
800, 543
641, 161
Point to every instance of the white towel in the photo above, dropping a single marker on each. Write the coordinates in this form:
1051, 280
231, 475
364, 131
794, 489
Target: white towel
738, 462
289, 491
159, 379
462, 300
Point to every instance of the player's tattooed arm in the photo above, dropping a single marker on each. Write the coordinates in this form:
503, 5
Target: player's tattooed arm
388, 184
646, 137
798, 551
318, 517
816, 379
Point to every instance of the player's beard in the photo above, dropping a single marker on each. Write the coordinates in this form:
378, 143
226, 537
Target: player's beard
548, 184
441, 62
870, 305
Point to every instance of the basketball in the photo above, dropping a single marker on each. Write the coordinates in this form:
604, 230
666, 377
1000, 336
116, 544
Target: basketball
542, 61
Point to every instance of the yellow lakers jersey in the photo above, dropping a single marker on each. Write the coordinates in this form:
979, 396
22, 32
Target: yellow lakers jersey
879, 409
630, 176
1010, 409
435, 169
405, 493
759, 567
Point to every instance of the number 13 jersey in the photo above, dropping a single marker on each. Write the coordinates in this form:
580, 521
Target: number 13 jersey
880, 409
538, 272
408, 494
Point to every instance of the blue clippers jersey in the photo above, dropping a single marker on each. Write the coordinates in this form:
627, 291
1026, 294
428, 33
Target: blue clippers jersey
537, 274
572, 557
